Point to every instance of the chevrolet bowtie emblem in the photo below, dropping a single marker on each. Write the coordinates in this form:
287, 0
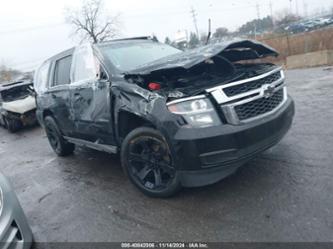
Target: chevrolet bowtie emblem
267, 91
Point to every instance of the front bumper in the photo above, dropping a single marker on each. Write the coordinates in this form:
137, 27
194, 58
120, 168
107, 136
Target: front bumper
206, 156
14, 229
27, 118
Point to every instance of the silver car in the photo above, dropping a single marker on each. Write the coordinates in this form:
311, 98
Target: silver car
15, 232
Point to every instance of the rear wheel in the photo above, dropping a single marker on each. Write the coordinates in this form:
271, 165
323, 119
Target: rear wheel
57, 142
148, 162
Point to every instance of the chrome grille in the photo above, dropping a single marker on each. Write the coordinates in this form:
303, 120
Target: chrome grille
252, 85
249, 99
259, 106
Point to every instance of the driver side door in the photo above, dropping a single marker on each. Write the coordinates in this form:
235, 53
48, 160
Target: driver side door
90, 98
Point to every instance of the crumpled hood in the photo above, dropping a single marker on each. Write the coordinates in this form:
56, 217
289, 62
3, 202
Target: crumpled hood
21, 105
233, 51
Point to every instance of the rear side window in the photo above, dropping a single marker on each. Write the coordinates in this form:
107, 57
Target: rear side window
62, 71
41, 78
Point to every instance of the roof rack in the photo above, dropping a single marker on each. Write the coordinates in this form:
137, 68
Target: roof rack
135, 38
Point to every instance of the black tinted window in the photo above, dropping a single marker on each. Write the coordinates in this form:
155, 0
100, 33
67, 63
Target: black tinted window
62, 71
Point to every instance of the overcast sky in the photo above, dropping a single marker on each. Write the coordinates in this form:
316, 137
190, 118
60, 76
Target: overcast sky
33, 30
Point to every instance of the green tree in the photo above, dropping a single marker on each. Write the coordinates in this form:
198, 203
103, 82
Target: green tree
221, 32
287, 18
259, 25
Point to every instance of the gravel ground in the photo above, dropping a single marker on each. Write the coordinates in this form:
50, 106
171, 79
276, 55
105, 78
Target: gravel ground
283, 195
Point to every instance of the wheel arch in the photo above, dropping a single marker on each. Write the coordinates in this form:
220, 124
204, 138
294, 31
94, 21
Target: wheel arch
128, 121
47, 112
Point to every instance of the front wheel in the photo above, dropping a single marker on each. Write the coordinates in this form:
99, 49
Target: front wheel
13, 125
57, 142
148, 162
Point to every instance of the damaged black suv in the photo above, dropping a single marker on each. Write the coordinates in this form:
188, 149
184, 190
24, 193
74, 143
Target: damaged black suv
176, 118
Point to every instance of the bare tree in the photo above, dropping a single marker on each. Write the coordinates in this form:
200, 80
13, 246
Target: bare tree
91, 23
8, 74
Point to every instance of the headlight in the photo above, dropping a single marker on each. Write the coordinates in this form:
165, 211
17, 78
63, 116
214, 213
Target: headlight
198, 111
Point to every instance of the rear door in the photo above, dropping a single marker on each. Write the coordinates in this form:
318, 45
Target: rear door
58, 94
90, 98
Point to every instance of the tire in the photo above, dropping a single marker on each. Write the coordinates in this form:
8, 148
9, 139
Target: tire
13, 125
148, 162
3, 122
60, 146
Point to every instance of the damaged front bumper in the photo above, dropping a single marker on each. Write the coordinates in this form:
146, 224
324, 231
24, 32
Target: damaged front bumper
207, 155
27, 118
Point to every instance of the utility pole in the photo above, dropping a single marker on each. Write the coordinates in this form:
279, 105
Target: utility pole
209, 30
258, 11
305, 8
291, 6
194, 16
272, 15
296, 3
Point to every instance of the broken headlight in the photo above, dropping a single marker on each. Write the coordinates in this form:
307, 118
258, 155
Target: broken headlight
198, 112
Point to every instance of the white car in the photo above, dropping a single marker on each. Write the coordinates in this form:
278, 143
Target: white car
17, 105
15, 232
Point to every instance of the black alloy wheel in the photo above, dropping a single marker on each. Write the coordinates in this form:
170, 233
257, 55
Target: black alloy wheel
60, 146
53, 138
147, 160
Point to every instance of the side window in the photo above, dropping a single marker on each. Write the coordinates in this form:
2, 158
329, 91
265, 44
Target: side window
62, 71
84, 64
41, 78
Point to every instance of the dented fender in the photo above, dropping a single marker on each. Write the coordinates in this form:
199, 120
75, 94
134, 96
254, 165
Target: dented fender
144, 104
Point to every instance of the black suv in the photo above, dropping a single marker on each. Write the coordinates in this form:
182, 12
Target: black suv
176, 118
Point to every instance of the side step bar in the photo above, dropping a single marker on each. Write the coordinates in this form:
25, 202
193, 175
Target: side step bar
96, 146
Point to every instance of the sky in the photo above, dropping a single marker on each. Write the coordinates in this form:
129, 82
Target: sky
33, 30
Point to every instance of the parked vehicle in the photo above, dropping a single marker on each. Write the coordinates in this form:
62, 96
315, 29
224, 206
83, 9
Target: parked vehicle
177, 118
14, 228
17, 105
309, 25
